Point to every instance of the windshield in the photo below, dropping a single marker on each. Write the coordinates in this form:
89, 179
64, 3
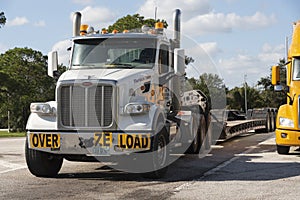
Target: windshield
114, 53
296, 69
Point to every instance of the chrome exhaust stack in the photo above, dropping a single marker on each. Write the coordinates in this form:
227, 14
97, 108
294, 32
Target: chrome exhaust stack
179, 67
76, 24
176, 21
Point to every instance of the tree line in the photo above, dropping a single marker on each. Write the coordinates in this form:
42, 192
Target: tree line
23, 75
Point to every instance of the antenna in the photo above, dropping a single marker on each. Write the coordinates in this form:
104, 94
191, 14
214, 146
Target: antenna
287, 47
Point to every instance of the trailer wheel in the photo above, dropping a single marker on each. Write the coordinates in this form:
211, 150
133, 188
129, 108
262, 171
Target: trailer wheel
272, 124
159, 155
274, 120
283, 150
268, 124
42, 164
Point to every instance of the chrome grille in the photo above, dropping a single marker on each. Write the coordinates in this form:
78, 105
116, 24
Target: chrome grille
86, 106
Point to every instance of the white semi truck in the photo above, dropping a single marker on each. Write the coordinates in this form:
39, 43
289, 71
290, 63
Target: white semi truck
122, 97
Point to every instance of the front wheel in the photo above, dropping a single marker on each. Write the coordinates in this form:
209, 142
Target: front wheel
283, 150
158, 157
42, 164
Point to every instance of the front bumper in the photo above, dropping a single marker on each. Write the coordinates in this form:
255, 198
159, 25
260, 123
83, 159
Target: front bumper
89, 143
286, 137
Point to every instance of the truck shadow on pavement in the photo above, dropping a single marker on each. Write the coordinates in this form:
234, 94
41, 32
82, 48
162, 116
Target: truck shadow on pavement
261, 164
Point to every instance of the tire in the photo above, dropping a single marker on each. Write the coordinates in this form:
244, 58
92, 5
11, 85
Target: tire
198, 135
283, 150
274, 119
268, 123
272, 125
42, 164
207, 141
159, 155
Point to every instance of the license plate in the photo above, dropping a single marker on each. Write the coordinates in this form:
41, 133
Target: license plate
103, 139
44, 140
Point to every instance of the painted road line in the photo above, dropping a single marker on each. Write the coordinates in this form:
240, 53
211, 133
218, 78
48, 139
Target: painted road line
224, 164
11, 166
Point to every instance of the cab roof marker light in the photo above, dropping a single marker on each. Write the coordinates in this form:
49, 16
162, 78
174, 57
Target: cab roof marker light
90, 30
83, 29
104, 31
145, 29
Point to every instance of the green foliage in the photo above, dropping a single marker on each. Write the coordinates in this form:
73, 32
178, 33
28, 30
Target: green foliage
213, 87
131, 22
258, 98
24, 80
272, 98
12, 134
2, 19
236, 98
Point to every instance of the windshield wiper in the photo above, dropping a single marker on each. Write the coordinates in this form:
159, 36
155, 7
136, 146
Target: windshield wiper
85, 65
125, 65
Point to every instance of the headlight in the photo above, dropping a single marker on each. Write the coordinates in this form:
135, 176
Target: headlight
41, 108
136, 108
286, 122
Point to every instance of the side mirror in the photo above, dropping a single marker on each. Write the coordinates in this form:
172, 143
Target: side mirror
52, 63
179, 62
275, 75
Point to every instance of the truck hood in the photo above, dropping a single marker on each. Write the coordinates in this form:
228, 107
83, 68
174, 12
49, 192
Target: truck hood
118, 75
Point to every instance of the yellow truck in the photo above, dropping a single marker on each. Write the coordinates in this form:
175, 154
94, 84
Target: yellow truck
288, 118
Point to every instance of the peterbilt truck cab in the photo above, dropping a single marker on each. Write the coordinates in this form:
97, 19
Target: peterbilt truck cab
121, 95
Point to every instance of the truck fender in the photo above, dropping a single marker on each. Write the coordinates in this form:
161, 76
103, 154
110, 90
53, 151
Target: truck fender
42, 122
159, 116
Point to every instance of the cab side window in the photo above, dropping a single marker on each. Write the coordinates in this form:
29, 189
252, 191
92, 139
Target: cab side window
163, 59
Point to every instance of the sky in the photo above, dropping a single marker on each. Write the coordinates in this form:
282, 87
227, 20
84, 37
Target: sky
238, 39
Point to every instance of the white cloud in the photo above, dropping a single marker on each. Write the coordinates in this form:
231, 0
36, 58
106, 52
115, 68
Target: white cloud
270, 53
219, 22
18, 21
63, 55
190, 8
200, 18
203, 50
40, 23
3, 48
83, 2
255, 66
202, 54
96, 16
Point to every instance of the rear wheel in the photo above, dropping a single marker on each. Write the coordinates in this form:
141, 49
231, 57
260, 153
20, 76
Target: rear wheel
283, 150
196, 135
42, 164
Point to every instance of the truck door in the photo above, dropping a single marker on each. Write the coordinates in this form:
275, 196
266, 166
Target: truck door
164, 75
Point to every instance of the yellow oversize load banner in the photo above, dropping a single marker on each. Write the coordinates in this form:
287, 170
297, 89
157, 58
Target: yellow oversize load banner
134, 141
44, 140
125, 141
